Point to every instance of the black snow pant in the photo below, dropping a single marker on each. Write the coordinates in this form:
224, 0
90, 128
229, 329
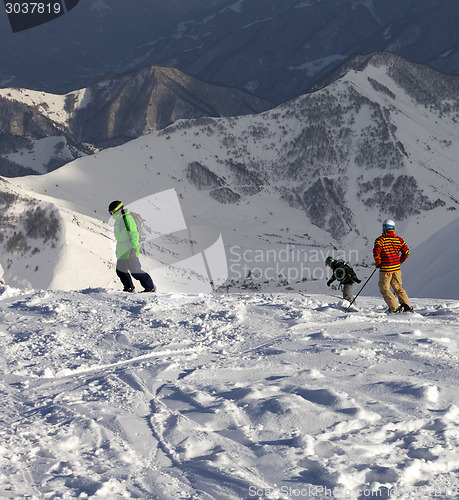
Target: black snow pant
132, 266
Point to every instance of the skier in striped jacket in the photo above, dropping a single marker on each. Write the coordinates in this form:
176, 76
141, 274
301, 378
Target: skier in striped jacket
389, 252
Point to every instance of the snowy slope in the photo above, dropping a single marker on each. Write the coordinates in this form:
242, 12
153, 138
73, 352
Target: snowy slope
53, 106
43, 155
432, 270
45, 245
109, 396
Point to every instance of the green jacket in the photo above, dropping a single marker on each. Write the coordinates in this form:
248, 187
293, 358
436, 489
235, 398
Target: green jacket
126, 234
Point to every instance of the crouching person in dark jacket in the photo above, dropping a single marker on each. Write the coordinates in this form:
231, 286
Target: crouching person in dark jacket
127, 249
345, 275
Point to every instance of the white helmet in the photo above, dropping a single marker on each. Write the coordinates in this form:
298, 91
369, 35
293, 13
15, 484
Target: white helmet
388, 224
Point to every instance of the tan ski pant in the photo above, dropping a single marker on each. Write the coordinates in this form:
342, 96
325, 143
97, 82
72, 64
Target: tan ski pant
386, 280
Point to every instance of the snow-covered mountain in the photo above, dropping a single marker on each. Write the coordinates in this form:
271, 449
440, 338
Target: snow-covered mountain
289, 186
41, 132
108, 395
278, 49
275, 49
432, 270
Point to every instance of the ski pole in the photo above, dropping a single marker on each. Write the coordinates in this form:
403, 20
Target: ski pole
352, 301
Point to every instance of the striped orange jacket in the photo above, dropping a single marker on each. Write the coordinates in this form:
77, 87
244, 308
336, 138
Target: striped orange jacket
390, 251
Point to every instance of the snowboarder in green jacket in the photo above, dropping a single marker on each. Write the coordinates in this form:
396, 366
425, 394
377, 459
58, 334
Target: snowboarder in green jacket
127, 249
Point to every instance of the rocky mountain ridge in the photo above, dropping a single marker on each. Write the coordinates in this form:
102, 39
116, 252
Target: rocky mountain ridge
41, 132
342, 126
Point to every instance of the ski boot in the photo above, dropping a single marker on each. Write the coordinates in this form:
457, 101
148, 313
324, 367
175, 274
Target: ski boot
405, 308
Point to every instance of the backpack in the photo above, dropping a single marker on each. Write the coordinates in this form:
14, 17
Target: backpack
140, 223
341, 271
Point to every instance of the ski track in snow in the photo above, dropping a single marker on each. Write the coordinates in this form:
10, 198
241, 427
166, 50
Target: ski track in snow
174, 396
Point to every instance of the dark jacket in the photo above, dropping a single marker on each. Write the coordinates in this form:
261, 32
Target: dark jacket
343, 272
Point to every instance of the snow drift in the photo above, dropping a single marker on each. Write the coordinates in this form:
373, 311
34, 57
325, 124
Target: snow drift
108, 395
